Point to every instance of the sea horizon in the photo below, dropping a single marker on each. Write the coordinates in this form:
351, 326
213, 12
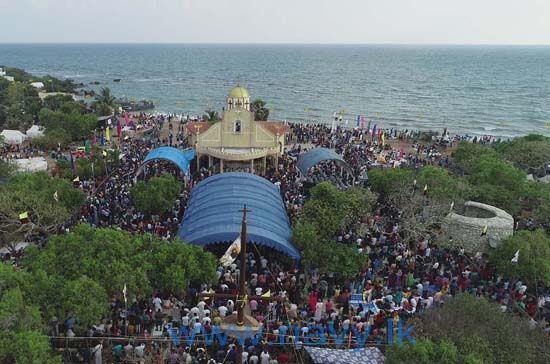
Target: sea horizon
477, 89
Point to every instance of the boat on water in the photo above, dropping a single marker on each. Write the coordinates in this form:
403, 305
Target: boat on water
116, 80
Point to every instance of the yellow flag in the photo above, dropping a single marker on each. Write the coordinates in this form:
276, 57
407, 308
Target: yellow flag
23, 215
383, 139
108, 134
104, 153
77, 179
267, 294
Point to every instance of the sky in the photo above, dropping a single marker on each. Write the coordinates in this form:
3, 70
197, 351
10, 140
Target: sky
276, 21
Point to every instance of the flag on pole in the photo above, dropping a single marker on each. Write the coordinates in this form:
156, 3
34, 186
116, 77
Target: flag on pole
401, 150
77, 179
383, 139
267, 294
55, 196
373, 131
516, 257
484, 232
357, 121
124, 293
24, 217
231, 253
108, 134
104, 153
362, 122
368, 127
102, 138
126, 118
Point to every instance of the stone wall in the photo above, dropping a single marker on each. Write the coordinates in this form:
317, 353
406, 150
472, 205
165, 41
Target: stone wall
466, 231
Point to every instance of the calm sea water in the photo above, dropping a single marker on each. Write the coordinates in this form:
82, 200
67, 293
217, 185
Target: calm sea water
478, 90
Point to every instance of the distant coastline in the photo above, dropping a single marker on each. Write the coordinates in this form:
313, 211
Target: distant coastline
499, 90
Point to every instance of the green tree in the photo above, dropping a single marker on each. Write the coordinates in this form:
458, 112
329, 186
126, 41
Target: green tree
78, 125
326, 214
529, 153
466, 154
333, 211
389, 180
113, 258
26, 347
22, 338
53, 138
261, 113
425, 351
54, 102
86, 299
497, 182
157, 195
534, 257
211, 115
34, 193
106, 97
481, 333
102, 109
421, 211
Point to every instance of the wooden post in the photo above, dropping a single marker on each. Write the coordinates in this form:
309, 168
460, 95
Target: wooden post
242, 272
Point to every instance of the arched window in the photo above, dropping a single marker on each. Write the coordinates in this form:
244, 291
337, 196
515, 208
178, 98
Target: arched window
237, 126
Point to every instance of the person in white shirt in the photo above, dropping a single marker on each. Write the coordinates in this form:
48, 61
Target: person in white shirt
158, 304
140, 350
96, 352
264, 357
223, 311
254, 359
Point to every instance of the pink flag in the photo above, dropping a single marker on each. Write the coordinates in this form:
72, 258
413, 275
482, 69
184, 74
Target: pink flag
401, 150
126, 118
362, 121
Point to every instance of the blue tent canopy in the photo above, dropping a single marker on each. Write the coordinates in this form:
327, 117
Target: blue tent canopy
213, 214
178, 157
313, 156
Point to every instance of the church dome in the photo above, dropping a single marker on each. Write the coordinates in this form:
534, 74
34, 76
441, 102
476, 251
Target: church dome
238, 92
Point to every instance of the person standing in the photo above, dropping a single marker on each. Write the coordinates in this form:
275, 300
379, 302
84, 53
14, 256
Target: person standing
96, 352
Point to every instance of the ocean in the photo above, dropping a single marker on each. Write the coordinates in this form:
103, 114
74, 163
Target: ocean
494, 90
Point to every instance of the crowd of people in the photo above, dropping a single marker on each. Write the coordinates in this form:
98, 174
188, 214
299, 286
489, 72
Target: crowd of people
399, 281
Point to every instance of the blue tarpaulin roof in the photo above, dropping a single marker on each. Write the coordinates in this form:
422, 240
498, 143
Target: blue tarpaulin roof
180, 158
340, 356
313, 156
213, 214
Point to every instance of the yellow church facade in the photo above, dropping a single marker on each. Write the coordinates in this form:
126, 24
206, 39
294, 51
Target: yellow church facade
238, 142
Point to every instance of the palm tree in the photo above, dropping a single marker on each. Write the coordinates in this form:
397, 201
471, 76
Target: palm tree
106, 97
211, 115
261, 113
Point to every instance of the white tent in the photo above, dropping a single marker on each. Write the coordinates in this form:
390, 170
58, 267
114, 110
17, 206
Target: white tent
36, 164
34, 132
13, 136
